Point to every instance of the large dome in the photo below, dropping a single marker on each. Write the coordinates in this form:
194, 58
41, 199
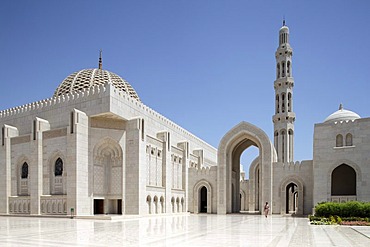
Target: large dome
342, 115
87, 78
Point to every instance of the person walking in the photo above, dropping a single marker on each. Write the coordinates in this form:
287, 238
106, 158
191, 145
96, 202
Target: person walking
266, 209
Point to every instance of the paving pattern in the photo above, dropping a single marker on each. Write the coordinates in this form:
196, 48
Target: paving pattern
179, 230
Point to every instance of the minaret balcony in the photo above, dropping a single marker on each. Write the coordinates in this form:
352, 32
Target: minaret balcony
284, 49
285, 117
284, 81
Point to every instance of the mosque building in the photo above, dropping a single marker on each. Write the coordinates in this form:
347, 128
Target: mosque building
95, 148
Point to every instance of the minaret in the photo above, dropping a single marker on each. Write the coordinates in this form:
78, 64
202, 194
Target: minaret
284, 116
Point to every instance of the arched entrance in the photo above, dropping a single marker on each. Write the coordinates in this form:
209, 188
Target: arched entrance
107, 177
202, 197
203, 200
291, 196
230, 149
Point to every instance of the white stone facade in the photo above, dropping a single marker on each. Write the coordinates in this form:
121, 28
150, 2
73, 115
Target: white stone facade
95, 148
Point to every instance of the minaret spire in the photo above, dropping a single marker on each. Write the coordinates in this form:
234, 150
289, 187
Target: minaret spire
100, 60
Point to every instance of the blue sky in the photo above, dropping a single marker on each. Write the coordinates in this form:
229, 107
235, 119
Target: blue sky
206, 65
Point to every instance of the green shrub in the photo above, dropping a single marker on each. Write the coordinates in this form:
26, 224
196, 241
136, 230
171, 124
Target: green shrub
348, 209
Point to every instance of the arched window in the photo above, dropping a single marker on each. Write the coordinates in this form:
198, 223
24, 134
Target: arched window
277, 103
149, 201
349, 140
282, 102
339, 141
288, 68
24, 173
58, 171
289, 102
343, 181
283, 69
283, 146
290, 147
277, 71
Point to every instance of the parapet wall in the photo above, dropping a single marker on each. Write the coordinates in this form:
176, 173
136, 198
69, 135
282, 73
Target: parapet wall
95, 92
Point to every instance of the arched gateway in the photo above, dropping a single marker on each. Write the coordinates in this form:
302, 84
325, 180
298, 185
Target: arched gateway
230, 148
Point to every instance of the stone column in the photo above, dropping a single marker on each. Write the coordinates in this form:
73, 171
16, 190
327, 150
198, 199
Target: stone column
77, 165
136, 167
185, 172
5, 166
36, 166
167, 168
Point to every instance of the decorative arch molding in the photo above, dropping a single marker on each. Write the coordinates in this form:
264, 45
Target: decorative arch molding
20, 161
53, 157
57, 183
107, 146
22, 183
350, 164
300, 189
198, 186
108, 167
237, 140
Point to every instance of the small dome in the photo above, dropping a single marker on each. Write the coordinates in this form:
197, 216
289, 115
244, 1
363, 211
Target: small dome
342, 115
87, 78
284, 29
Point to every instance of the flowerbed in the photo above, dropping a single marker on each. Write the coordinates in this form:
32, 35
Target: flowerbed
349, 213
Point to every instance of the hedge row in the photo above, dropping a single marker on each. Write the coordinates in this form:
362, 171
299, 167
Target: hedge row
347, 209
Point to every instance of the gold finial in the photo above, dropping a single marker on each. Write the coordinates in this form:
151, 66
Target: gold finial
100, 60
341, 106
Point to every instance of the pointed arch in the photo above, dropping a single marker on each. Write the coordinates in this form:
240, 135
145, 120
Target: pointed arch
155, 200
339, 140
358, 178
349, 139
108, 167
284, 186
162, 204
289, 102
254, 185
57, 179
343, 181
197, 195
22, 175
283, 99
230, 148
149, 203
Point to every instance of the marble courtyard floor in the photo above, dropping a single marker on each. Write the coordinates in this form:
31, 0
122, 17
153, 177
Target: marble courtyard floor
179, 230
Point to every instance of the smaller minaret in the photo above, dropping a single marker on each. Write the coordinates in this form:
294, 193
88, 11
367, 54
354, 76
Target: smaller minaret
100, 60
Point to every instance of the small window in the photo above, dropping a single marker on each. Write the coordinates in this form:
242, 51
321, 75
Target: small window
24, 173
58, 167
339, 141
349, 140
